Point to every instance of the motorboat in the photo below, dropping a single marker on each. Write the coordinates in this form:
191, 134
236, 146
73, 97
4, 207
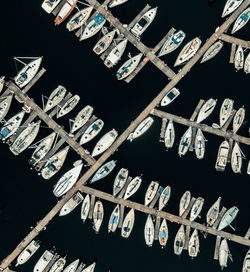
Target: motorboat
72, 267
144, 22
85, 208
65, 11
133, 186
246, 262
114, 3
120, 181
5, 106
241, 21
68, 106
188, 51
151, 192
169, 136
194, 244
104, 143
226, 110
50, 5
228, 217
114, 219
58, 265
55, 98
28, 252
231, 5
184, 202
179, 241
128, 224
89, 268
163, 233
25, 138
79, 18
196, 208
149, 231
185, 142
247, 64
213, 212
222, 156
43, 261
236, 158
169, 97
128, 67
223, 253
199, 144
81, 118
238, 119
54, 163
103, 171
239, 58
164, 197
91, 131
104, 42
98, 215
2, 81
212, 51
172, 43
69, 206
206, 110
141, 128
67, 181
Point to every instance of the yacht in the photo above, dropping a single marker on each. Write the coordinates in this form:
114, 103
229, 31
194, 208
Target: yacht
65, 11
50, 5
169, 97
70, 205
103, 171
98, 214
133, 186
213, 212
55, 98
72, 267
104, 143
188, 51
164, 197
104, 42
55, 163
238, 119
242, 19
196, 209
43, 261
114, 3
91, 131
128, 67
239, 58
151, 192
179, 241
79, 18
128, 224
68, 106
28, 252
212, 51
184, 202
236, 158
144, 22
225, 111
81, 118
58, 265
228, 217
206, 110
172, 43
194, 244
163, 233
67, 181
89, 268
149, 231
85, 208
115, 54
4, 106
231, 5
120, 181
185, 142
223, 253
114, 219
222, 156
199, 144
25, 138
247, 64
2, 81
246, 262
169, 135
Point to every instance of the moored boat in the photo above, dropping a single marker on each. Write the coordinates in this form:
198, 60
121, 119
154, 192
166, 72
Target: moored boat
28, 252
151, 192
98, 215
114, 219
236, 158
213, 212
247, 64
79, 18
70, 205
248, 168
222, 156
230, 6
72, 266
194, 244
81, 118
4, 106
50, 5
239, 58
169, 97
228, 217
114, 3
43, 261
91, 131
199, 144
206, 110
242, 19
2, 81
104, 42
164, 197
120, 181
58, 265
68, 106
196, 209
89, 268
226, 110
179, 241
65, 11
149, 231
223, 253
185, 142
184, 202
163, 233
133, 186
128, 224
55, 98
169, 136
246, 262
212, 51
238, 119
103, 171
85, 208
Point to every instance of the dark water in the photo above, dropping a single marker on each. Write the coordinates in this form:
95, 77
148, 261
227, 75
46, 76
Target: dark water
25, 198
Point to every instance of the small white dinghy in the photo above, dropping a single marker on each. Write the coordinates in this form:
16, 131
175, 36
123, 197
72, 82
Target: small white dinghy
128, 224
104, 42
149, 231
98, 215
91, 131
170, 97
85, 208
133, 186
169, 136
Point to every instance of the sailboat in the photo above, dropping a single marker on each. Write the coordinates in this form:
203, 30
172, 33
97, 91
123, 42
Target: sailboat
179, 241
81, 118
2, 81
98, 215
239, 58
128, 224
85, 208
194, 244
55, 98
247, 64
199, 144
196, 209
228, 217
185, 142
231, 5
169, 136
223, 253
5, 106
241, 21
206, 110
163, 233
91, 131
236, 158
114, 219
238, 119
104, 42
225, 111
120, 181
70, 205
213, 212
184, 202
68, 106
103, 171
149, 231
79, 18
212, 51
164, 197
133, 186
114, 3
151, 192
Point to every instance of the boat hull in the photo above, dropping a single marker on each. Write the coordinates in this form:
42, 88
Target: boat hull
65, 11
91, 131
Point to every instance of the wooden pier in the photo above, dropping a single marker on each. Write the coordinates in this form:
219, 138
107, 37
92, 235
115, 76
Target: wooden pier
233, 40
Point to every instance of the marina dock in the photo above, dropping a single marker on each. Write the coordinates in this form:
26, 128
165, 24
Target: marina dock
233, 40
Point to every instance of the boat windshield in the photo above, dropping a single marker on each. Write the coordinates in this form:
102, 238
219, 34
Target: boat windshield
171, 95
142, 22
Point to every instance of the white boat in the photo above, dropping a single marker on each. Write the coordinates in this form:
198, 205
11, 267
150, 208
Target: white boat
98, 214
28, 252
242, 19
103, 171
11, 125
169, 97
128, 224
231, 5
206, 110
128, 67
246, 262
68, 106
144, 22
196, 209
25, 138
223, 253
169, 136
133, 186
58, 265
163, 233
247, 64
222, 156
65, 11
67, 181
149, 231
151, 192
91, 131
43, 261
213, 212
114, 3
172, 43
184, 202
179, 241
4, 106
28, 72
114, 219
93, 27
120, 181
194, 244
2, 81
239, 58
248, 168
104, 143
55, 98
104, 42
90, 268
188, 51
225, 111
79, 18
42, 149
50, 5
199, 144
72, 267
236, 158
81, 118
164, 197
228, 217
238, 119
115, 54
141, 128
54, 163
70, 205
85, 208
185, 142
212, 51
